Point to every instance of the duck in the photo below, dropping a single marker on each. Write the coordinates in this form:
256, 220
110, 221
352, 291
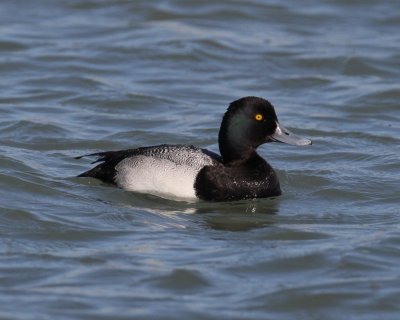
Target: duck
187, 172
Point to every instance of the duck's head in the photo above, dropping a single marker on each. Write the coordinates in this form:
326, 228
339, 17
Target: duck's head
248, 123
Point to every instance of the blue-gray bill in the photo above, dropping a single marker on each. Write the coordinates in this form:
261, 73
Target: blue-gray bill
284, 135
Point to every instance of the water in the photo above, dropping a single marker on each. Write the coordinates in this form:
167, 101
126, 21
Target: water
81, 76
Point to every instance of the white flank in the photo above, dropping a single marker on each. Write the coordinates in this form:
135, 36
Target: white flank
160, 177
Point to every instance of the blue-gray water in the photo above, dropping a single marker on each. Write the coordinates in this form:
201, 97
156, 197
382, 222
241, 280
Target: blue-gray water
80, 76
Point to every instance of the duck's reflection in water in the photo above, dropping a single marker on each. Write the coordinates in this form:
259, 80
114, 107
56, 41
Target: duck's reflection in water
233, 216
239, 215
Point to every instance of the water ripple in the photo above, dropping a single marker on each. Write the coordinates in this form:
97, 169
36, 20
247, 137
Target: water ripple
82, 76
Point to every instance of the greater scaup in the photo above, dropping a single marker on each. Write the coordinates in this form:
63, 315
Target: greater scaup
183, 171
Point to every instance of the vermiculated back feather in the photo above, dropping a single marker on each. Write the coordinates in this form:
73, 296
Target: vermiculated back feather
178, 154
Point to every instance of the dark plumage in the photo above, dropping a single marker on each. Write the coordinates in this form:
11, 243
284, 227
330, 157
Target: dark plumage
179, 171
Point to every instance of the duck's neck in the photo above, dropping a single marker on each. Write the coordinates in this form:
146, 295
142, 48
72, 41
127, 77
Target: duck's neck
234, 154
232, 146
235, 151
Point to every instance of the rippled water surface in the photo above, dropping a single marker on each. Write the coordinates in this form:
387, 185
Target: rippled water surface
80, 76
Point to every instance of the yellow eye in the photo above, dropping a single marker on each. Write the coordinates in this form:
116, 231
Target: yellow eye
258, 117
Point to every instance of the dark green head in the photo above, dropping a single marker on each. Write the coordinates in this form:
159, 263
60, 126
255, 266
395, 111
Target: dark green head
248, 123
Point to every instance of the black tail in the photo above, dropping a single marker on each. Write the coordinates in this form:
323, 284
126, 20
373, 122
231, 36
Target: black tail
101, 156
104, 171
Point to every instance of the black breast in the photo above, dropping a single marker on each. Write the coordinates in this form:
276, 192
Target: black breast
254, 178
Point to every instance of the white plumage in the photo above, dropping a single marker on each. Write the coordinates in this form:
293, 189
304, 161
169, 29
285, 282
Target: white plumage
167, 173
